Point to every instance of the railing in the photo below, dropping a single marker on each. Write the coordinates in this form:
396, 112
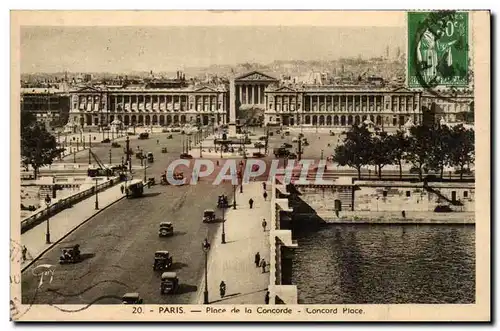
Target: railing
62, 204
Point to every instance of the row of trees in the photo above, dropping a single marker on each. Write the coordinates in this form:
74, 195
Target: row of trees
38, 146
426, 148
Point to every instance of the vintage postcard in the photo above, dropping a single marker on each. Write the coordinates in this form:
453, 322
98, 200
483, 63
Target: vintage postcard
250, 166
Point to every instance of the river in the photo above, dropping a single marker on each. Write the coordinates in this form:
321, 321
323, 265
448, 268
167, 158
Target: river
347, 264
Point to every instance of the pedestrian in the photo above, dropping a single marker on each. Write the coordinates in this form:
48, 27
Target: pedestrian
122, 188
264, 185
264, 265
403, 213
157, 141
265, 196
222, 289
24, 251
266, 299
250, 202
257, 259
264, 224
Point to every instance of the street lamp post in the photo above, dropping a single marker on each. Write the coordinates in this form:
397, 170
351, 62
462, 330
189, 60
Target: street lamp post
206, 247
47, 233
234, 197
145, 165
110, 156
90, 140
223, 239
96, 196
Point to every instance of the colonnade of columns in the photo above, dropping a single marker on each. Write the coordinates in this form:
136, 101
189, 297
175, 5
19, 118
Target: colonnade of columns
250, 94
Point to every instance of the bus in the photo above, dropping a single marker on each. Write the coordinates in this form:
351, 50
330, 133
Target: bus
134, 188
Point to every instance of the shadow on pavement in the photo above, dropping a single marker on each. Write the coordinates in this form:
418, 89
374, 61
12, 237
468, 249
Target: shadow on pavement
152, 194
185, 288
236, 295
178, 265
86, 256
179, 233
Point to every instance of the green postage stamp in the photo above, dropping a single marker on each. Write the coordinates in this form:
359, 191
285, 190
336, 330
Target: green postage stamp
438, 49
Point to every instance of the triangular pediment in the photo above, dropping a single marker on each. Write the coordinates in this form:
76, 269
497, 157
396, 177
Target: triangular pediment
255, 76
285, 89
89, 89
205, 89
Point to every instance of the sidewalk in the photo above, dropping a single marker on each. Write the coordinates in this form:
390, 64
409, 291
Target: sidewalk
233, 262
65, 221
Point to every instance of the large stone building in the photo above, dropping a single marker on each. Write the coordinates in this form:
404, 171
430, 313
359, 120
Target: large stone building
335, 106
94, 106
294, 105
50, 105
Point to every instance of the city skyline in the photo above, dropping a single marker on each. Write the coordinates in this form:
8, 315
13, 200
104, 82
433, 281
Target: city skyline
167, 49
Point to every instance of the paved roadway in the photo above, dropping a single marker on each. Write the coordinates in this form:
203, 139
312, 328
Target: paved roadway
119, 243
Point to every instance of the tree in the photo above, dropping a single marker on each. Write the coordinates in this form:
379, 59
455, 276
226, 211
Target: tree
398, 145
355, 151
381, 151
439, 149
38, 147
419, 145
461, 148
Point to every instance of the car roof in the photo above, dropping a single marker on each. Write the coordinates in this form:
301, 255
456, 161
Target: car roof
168, 275
161, 252
165, 223
209, 211
131, 295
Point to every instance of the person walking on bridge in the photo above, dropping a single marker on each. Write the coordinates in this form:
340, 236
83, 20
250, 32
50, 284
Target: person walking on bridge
250, 202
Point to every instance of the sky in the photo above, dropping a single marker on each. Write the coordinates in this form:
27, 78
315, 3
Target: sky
127, 49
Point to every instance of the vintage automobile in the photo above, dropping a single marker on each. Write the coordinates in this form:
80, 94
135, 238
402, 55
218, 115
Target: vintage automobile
186, 156
166, 229
70, 254
163, 260
169, 283
208, 216
170, 136
178, 175
295, 140
286, 145
131, 299
259, 144
151, 157
292, 156
164, 150
222, 202
281, 152
138, 155
144, 135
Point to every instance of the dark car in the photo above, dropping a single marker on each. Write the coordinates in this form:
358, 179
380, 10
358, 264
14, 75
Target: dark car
163, 260
169, 283
286, 145
144, 135
292, 156
186, 156
70, 254
281, 152
131, 299
259, 144
166, 229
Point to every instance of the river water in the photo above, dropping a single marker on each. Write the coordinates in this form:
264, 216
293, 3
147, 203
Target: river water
342, 264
